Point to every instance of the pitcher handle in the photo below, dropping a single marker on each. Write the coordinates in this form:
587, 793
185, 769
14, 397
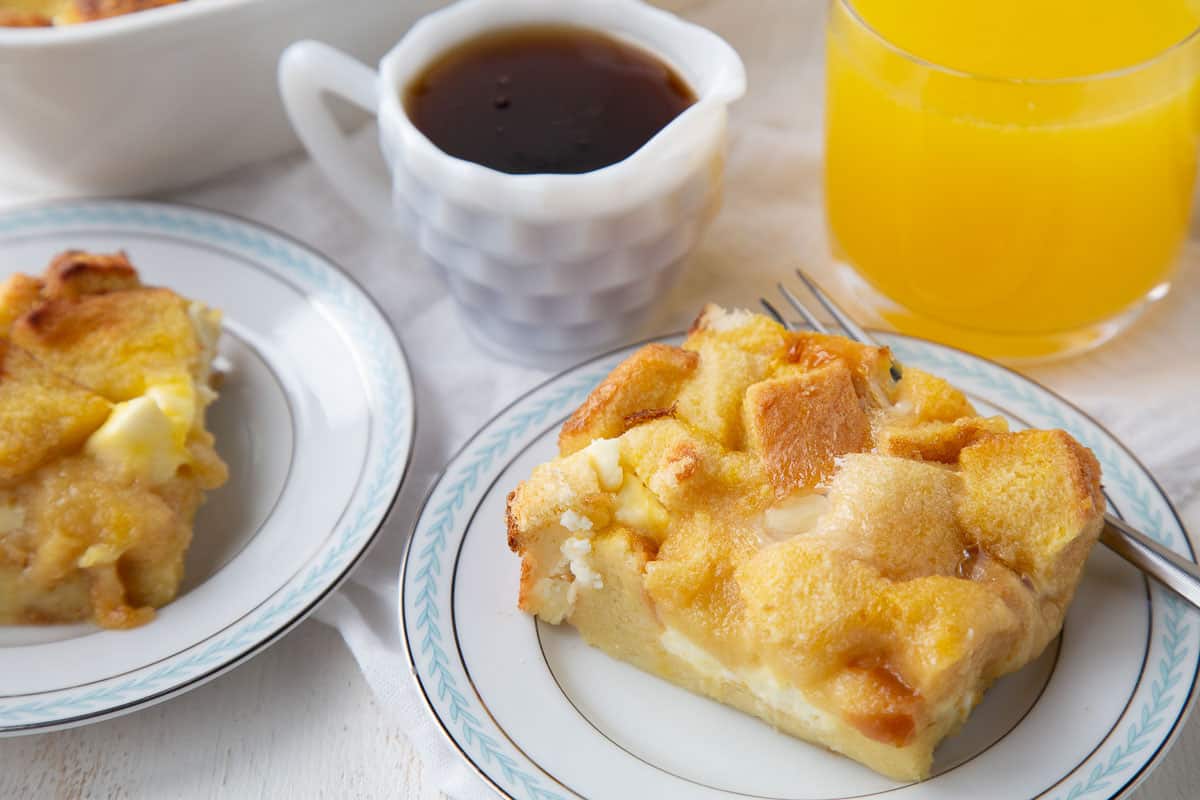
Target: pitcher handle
307, 70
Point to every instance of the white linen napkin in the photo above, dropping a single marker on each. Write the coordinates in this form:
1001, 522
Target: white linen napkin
456, 391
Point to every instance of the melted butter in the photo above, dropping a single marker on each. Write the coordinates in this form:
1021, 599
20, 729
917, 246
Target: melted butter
177, 400
144, 437
635, 505
637, 508
794, 516
100, 554
605, 457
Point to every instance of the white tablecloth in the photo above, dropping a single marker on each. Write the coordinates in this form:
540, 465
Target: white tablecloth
297, 720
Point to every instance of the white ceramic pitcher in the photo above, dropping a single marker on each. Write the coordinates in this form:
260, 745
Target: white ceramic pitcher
543, 266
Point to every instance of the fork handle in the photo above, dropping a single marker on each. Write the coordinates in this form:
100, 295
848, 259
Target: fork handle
1169, 569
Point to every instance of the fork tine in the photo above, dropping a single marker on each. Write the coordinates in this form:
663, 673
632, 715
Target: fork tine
801, 309
852, 328
774, 312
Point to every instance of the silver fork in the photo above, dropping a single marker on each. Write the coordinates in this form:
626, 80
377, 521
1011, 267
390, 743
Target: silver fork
1169, 569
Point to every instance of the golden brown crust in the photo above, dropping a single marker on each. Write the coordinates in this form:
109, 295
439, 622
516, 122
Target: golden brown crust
1027, 497
878, 701
648, 415
649, 379
70, 12
801, 423
511, 522
113, 342
19, 295
44, 415
807, 516
75, 273
930, 398
870, 366
24, 19
936, 440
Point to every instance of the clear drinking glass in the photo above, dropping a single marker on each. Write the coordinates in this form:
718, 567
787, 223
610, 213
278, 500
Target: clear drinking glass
1018, 215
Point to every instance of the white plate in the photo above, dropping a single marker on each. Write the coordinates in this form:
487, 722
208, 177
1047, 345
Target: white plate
539, 714
315, 420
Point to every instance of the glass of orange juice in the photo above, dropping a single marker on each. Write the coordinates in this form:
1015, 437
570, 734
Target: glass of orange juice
1011, 177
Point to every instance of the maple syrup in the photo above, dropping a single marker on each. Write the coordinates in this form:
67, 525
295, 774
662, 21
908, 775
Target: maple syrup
545, 99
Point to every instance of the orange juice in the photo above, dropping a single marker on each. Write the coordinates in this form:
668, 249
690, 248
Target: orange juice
1011, 172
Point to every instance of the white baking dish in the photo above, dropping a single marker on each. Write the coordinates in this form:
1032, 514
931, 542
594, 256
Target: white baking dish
165, 97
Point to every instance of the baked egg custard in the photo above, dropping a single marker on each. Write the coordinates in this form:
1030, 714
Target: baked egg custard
104, 457
797, 526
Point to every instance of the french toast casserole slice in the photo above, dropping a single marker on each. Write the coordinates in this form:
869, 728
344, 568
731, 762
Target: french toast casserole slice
104, 455
795, 525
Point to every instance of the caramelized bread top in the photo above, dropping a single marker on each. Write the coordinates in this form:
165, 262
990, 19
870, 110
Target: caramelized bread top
84, 337
813, 507
103, 450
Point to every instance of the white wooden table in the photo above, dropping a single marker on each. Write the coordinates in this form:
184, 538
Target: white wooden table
298, 721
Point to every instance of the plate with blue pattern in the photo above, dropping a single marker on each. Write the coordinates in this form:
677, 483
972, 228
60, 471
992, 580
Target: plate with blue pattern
315, 420
539, 715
